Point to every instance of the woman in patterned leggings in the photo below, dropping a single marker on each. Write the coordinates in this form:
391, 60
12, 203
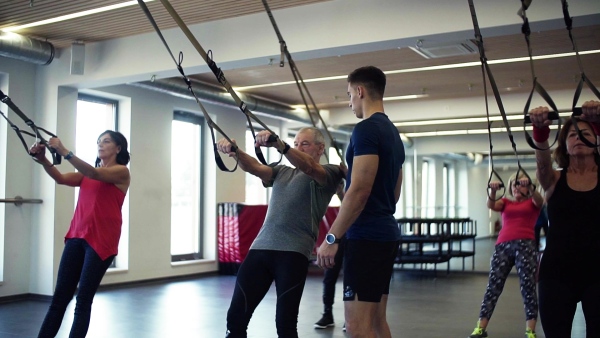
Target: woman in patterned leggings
515, 247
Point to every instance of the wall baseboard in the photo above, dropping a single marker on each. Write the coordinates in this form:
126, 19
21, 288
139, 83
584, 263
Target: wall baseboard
25, 296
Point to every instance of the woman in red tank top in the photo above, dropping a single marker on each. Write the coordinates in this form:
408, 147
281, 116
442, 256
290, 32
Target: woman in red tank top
93, 237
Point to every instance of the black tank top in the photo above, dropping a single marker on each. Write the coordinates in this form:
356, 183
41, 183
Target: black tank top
573, 239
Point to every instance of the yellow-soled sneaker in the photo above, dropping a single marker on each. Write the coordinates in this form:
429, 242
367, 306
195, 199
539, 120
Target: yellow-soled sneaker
530, 334
478, 333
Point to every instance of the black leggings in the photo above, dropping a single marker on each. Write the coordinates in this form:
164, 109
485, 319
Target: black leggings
259, 269
558, 303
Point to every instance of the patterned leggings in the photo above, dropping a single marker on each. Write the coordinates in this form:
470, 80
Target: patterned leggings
523, 255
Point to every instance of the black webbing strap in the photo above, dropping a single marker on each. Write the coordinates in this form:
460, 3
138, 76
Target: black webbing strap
56, 159
213, 126
302, 88
485, 70
537, 87
582, 78
222, 80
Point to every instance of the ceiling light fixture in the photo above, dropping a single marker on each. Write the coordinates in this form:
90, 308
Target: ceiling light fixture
466, 132
424, 69
463, 120
72, 16
405, 97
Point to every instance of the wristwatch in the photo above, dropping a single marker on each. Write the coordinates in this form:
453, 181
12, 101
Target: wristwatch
330, 239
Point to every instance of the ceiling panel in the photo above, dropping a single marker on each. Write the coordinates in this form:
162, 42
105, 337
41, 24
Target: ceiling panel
554, 74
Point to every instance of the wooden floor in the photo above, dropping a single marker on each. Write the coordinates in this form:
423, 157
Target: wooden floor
421, 304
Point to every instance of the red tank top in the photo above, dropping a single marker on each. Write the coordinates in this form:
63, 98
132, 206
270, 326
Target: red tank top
518, 220
97, 217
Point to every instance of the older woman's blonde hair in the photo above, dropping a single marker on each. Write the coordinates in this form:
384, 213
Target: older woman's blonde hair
514, 178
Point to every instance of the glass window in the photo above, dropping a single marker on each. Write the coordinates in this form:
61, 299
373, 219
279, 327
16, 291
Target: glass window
255, 191
186, 187
94, 116
334, 158
445, 191
424, 188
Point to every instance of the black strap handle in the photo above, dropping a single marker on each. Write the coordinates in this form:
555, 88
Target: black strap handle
212, 125
217, 72
56, 159
302, 88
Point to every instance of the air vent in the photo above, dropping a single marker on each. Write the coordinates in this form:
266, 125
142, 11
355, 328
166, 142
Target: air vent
434, 50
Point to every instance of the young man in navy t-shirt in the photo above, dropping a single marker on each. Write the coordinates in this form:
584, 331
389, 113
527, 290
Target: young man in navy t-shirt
375, 156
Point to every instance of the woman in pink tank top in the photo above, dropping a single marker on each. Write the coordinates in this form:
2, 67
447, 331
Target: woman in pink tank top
516, 247
93, 237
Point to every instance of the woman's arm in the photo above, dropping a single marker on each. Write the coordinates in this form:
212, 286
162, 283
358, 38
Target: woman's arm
39, 155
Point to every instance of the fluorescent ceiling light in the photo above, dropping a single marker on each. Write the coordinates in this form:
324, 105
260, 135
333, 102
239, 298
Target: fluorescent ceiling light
405, 97
462, 120
72, 16
467, 131
424, 69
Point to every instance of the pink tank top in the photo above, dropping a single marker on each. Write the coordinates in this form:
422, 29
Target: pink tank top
518, 220
97, 217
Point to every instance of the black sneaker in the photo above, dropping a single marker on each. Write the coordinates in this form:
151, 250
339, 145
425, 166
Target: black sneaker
325, 321
344, 327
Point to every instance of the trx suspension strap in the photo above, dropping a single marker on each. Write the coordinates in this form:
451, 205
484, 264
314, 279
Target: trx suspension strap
209, 121
485, 69
582, 79
56, 159
537, 87
222, 80
302, 88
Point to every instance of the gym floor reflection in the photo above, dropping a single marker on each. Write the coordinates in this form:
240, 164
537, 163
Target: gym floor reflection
421, 304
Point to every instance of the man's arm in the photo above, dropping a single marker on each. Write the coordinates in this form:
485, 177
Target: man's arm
364, 171
298, 159
306, 164
246, 162
398, 187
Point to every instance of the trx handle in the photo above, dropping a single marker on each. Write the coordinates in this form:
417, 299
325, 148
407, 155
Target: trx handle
537, 87
56, 159
552, 115
220, 76
212, 126
300, 82
502, 187
485, 69
575, 117
582, 79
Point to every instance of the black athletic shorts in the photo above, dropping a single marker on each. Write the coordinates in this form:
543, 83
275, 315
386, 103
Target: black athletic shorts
368, 267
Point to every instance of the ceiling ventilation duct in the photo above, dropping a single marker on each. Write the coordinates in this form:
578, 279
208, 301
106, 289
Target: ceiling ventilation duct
206, 93
26, 49
434, 50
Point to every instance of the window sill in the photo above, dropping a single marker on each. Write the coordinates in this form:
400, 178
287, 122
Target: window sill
193, 262
112, 271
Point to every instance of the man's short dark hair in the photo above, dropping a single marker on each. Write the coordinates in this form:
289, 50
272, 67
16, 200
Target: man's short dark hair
370, 77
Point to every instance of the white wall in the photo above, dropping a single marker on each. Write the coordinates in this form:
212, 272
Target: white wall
17, 166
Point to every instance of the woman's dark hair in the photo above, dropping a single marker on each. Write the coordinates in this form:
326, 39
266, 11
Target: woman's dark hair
560, 154
121, 141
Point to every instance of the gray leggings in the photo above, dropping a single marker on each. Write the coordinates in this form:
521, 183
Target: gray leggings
522, 254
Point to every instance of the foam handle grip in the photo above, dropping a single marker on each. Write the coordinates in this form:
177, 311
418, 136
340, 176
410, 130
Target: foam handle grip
551, 115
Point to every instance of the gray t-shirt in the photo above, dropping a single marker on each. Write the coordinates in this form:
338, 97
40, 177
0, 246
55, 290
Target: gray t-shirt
297, 205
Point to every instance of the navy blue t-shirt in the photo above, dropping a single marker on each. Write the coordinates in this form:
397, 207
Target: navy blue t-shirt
377, 135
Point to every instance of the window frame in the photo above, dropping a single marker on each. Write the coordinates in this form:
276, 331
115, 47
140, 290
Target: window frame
183, 116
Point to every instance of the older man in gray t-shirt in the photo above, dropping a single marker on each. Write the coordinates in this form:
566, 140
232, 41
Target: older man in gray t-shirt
285, 242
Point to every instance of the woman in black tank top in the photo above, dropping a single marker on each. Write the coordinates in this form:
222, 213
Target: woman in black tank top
569, 267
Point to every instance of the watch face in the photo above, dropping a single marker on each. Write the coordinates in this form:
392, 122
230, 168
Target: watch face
330, 238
